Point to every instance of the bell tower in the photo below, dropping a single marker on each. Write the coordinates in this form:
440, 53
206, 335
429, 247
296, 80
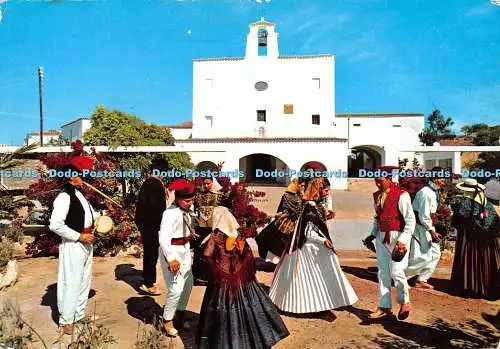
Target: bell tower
262, 40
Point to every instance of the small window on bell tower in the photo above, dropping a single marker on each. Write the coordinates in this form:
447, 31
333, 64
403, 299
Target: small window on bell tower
262, 37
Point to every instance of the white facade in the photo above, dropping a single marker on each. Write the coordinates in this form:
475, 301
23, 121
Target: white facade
181, 133
75, 129
34, 137
233, 91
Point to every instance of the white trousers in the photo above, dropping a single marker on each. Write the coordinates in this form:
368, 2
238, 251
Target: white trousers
179, 286
389, 270
424, 255
73, 282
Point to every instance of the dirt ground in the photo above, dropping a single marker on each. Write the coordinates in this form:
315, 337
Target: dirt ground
439, 319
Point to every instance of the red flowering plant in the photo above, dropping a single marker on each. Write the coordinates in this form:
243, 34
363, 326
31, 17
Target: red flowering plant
47, 188
443, 215
238, 200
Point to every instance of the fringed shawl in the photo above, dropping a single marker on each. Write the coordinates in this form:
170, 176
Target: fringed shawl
234, 268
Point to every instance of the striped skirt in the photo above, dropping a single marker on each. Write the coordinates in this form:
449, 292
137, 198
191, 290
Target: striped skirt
311, 280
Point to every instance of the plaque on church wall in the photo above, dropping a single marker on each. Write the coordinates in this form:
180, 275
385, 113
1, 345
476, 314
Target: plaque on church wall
288, 109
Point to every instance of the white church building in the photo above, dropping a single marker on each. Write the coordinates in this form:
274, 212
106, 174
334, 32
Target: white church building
268, 111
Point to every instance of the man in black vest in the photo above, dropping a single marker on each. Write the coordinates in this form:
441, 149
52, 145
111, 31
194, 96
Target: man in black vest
151, 204
72, 218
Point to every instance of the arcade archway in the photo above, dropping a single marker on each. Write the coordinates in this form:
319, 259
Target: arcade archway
258, 168
367, 157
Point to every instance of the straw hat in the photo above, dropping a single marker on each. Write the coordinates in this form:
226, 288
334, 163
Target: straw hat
224, 221
470, 185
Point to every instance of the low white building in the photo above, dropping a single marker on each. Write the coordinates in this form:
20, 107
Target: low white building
34, 137
75, 129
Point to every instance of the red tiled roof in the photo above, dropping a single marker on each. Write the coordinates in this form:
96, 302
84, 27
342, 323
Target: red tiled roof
459, 140
46, 133
186, 124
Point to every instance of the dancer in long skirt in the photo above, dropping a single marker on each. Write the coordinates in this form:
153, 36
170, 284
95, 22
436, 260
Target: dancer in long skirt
274, 238
309, 278
236, 312
477, 251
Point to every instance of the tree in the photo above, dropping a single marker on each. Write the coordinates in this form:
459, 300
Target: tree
437, 128
484, 135
115, 128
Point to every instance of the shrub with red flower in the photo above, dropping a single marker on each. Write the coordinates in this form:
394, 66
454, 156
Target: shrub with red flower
47, 187
239, 200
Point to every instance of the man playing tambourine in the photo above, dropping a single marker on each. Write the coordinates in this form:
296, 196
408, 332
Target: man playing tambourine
73, 219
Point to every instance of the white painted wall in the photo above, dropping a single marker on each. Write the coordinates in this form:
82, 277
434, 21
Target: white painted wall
35, 138
377, 130
181, 133
225, 90
75, 130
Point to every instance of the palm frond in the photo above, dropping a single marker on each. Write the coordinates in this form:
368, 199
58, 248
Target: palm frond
10, 160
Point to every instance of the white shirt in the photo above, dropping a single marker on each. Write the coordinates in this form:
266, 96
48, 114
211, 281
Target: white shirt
173, 226
425, 203
406, 210
61, 208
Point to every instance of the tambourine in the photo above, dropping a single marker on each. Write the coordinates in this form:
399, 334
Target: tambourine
103, 225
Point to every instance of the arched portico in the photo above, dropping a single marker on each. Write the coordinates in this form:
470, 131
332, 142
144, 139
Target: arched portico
257, 169
367, 157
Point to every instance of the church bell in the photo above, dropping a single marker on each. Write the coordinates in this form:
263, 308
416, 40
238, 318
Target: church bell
262, 38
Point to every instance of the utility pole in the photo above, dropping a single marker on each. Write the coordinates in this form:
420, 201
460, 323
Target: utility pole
40, 78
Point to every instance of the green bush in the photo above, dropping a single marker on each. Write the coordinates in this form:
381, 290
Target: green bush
90, 336
6, 251
15, 232
14, 332
152, 338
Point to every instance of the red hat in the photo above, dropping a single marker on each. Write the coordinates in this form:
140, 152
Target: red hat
388, 170
313, 165
82, 163
183, 189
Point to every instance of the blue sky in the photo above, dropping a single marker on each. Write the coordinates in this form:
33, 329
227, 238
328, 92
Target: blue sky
136, 55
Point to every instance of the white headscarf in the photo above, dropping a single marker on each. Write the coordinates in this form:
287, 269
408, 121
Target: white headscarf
224, 221
215, 185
